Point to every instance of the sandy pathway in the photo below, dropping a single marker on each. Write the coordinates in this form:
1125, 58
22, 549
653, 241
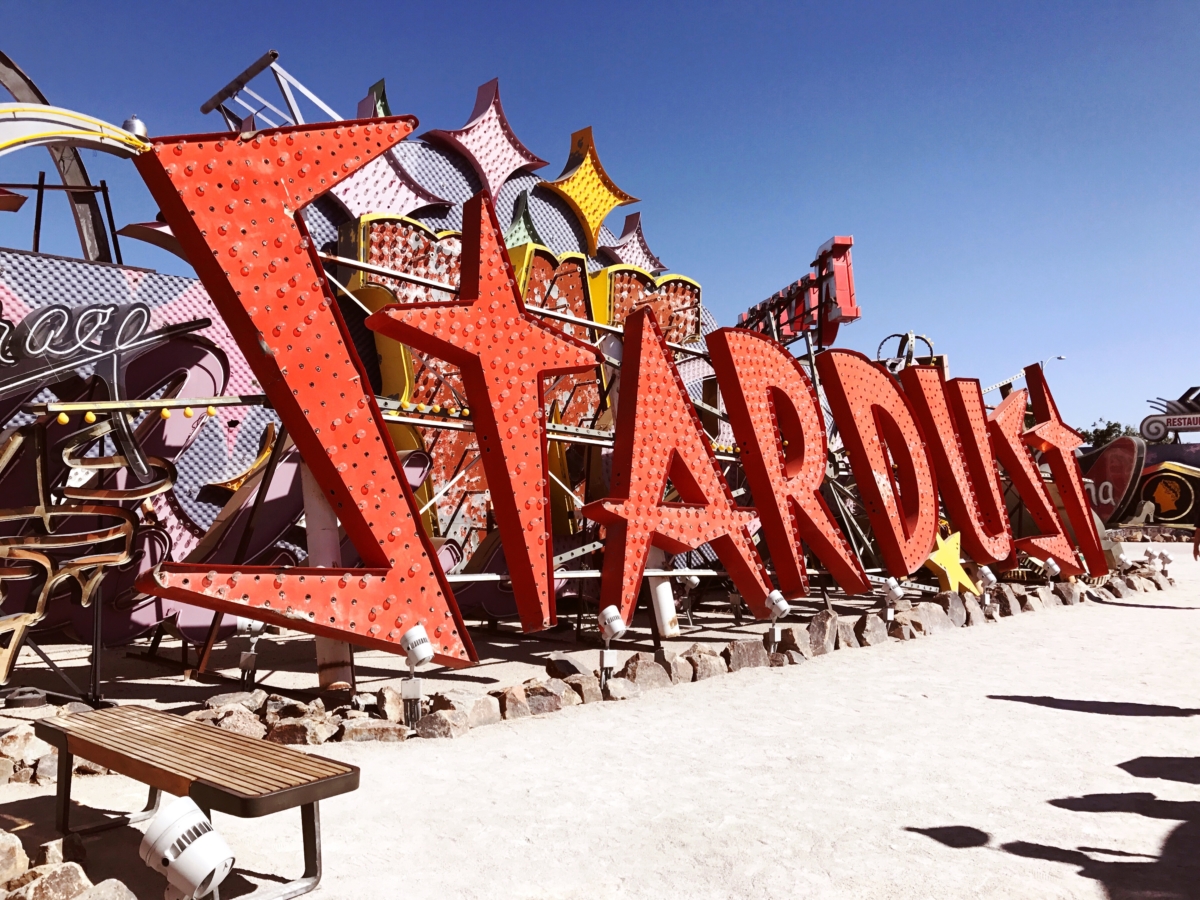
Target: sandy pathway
800, 782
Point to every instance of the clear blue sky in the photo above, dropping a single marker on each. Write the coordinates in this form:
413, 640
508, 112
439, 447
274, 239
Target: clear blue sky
1021, 180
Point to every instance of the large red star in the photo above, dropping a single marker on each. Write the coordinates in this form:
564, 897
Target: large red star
504, 353
659, 437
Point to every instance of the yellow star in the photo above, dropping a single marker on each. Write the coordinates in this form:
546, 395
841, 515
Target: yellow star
944, 563
586, 187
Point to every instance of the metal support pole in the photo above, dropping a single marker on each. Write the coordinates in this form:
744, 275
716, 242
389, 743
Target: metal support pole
239, 555
112, 225
94, 697
37, 214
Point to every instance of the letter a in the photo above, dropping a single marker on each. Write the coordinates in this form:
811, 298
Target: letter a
775, 415
659, 438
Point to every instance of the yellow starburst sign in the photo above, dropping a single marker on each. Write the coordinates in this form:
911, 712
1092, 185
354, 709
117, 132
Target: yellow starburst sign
945, 563
586, 187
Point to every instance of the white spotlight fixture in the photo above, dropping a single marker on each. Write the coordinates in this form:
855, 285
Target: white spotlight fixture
779, 608
1052, 568
987, 577
612, 625
182, 845
415, 643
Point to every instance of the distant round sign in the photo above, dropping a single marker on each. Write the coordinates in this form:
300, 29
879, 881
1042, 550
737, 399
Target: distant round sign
1172, 495
1113, 477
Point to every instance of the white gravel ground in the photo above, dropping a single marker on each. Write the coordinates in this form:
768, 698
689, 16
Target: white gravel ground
1051, 755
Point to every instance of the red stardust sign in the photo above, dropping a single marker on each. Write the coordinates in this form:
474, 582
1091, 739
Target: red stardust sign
233, 203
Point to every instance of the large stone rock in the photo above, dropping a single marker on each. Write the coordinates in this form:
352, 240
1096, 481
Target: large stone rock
7, 767
445, 723
59, 881
645, 671
715, 649
22, 746
901, 629
870, 629
203, 716
484, 711
108, 890
1031, 602
1134, 583
307, 730
926, 618
794, 638
748, 654
822, 632
621, 689
45, 771
541, 699
778, 660
61, 850
240, 720
1068, 592
707, 666
795, 657
1009, 601
565, 693
1115, 586
586, 686
512, 702
562, 666
952, 604
391, 704
1159, 581
681, 670
356, 730
1047, 595
973, 611
846, 638
251, 700
278, 707
13, 861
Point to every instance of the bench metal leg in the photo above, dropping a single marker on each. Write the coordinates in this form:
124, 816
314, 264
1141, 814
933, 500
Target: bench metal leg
310, 824
62, 810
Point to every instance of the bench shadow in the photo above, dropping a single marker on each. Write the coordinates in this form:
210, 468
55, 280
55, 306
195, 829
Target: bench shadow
1101, 707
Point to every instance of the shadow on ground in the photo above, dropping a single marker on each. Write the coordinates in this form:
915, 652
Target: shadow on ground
1172, 875
1101, 707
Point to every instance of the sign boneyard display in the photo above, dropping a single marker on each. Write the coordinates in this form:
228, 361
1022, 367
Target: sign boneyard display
505, 413
232, 202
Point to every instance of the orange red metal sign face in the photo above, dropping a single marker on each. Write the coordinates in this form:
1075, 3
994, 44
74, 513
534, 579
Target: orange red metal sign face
888, 455
774, 412
659, 440
503, 353
233, 203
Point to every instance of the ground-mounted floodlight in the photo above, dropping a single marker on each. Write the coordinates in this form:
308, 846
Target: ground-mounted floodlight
778, 607
987, 580
415, 643
248, 661
892, 594
1166, 559
1052, 568
182, 845
612, 625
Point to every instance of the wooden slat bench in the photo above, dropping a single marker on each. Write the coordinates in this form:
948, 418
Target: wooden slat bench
221, 771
